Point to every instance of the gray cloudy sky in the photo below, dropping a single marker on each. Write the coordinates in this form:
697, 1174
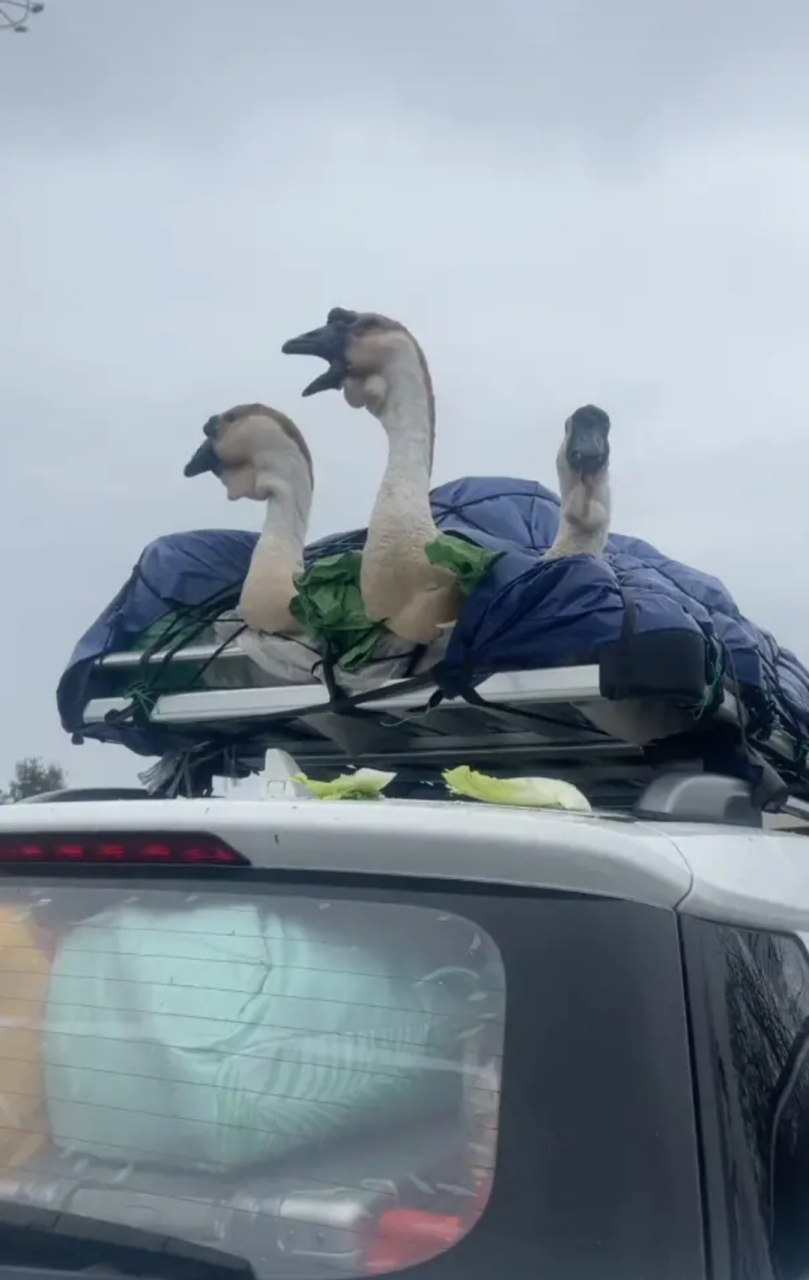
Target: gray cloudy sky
567, 201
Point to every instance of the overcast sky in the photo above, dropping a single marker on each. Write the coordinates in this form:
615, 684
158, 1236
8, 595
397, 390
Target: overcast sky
566, 201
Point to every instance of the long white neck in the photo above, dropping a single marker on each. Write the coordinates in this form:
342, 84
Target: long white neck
408, 419
584, 521
286, 516
278, 555
399, 584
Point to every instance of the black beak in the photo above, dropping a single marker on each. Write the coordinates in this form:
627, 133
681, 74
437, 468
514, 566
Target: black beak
328, 342
588, 440
204, 459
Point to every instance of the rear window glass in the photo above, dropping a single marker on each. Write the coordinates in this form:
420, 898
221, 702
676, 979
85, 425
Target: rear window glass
275, 1075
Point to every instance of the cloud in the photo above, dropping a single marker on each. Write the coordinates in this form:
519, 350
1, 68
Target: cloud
563, 207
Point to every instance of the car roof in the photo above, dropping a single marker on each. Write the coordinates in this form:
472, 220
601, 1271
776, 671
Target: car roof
738, 874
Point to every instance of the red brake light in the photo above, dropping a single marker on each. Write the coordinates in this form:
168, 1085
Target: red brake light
403, 1237
120, 848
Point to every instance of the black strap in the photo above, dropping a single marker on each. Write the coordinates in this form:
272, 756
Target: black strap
459, 684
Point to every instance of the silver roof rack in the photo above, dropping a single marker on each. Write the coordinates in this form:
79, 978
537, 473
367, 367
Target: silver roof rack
553, 720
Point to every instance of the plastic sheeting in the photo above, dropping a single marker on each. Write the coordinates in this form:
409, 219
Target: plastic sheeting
229, 1035
527, 613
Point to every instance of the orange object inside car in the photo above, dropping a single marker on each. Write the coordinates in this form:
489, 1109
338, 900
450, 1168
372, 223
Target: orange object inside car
24, 971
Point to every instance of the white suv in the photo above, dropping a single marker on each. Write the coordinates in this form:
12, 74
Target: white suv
312, 1039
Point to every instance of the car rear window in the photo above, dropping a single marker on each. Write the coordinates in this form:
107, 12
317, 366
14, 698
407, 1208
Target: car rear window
276, 1073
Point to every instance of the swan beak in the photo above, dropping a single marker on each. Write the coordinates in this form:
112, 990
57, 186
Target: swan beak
329, 343
588, 440
204, 459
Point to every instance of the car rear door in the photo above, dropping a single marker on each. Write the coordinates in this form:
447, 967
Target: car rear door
349, 1074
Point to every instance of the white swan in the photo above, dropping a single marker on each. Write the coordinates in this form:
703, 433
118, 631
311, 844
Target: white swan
259, 453
582, 465
380, 367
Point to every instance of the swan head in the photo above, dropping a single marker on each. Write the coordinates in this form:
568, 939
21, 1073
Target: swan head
585, 451
254, 451
361, 349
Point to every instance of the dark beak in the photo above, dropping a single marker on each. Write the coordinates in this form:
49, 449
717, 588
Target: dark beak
588, 440
204, 459
328, 342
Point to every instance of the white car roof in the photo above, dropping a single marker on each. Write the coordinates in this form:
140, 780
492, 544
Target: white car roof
738, 874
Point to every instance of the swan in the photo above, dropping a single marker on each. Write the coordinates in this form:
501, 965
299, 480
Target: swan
379, 366
582, 465
258, 452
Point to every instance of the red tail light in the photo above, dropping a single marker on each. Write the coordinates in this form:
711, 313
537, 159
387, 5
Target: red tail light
403, 1237
119, 848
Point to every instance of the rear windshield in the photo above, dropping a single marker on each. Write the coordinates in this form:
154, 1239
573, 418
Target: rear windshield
279, 1074
310, 1078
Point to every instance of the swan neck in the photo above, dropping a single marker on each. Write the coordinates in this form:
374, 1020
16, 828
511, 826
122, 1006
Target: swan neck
409, 414
398, 583
269, 585
584, 520
408, 419
286, 517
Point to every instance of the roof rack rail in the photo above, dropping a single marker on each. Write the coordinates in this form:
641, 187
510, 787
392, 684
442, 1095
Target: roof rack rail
549, 720
66, 795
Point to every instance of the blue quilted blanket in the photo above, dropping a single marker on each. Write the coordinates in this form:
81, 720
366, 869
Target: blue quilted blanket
526, 613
